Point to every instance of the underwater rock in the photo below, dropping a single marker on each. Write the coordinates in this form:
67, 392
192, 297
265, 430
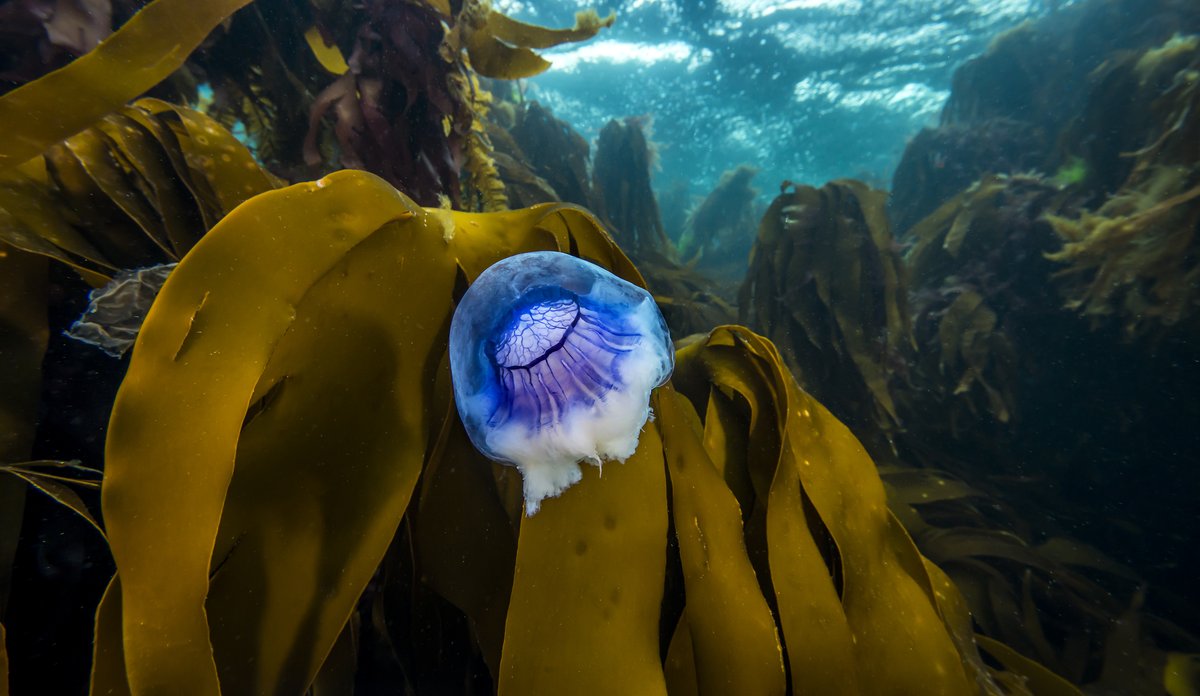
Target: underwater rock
115, 312
1037, 72
1040, 99
553, 361
938, 163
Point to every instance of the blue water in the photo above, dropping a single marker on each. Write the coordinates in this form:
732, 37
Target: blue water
805, 90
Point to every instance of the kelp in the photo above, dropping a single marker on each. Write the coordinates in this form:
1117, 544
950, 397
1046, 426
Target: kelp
1037, 72
998, 358
554, 151
823, 526
1058, 601
3, 662
624, 197
359, 213
485, 190
1132, 261
308, 451
979, 279
721, 230
23, 337
260, 74
151, 45
826, 284
408, 125
52, 477
1039, 96
501, 47
1144, 99
690, 301
138, 188
522, 187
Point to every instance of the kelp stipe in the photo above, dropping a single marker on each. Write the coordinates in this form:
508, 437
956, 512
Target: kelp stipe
553, 360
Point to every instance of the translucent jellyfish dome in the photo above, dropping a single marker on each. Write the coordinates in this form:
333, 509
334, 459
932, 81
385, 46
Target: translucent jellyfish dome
553, 360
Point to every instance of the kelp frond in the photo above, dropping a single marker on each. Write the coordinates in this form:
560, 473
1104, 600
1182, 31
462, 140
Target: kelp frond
1134, 260
826, 283
482, 177
138, 188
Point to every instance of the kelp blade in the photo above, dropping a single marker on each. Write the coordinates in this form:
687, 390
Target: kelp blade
139, 55
311, 510
885, 621
3, 663
583, 616
732, 634
175, 426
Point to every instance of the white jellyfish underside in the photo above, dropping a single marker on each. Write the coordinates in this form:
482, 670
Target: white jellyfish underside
553, 360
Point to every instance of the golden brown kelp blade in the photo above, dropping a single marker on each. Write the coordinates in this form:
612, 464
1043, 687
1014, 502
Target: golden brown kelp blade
837, 557
151, 45
52, 478
3, 663
584, 612
732, 637
500, 47
137, 188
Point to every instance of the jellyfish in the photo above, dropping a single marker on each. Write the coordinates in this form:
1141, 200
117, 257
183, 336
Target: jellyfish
553, 360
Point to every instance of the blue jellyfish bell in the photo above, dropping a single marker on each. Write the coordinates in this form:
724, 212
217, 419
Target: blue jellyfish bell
553, 360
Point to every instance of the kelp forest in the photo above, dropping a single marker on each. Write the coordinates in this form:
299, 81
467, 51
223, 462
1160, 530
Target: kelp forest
937, 439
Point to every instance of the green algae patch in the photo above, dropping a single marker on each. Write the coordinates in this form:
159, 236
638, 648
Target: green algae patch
151, 45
